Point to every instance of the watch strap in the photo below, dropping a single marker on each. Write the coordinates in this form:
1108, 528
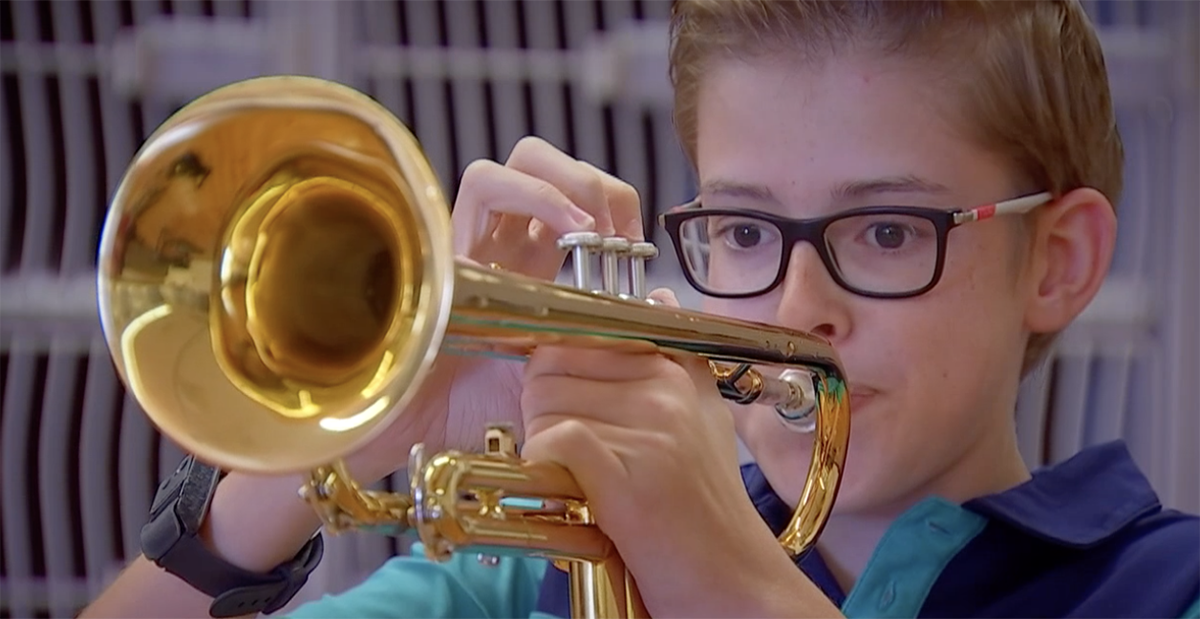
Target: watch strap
170, 539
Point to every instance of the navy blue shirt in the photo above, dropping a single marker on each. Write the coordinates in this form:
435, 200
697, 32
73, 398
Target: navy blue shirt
1084, 538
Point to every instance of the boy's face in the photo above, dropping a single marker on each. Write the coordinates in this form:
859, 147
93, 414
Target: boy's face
933, 378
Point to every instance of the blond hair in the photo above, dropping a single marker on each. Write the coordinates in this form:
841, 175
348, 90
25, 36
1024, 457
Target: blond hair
1030, 76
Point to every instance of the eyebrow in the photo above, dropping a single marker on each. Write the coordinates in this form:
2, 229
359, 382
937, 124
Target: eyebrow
842, 192
908, 183
734, 189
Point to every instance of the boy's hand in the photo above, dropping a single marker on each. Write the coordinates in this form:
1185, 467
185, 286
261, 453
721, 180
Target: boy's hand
652, 445
509, 215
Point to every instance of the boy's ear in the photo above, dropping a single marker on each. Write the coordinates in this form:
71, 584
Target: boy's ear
1072, 251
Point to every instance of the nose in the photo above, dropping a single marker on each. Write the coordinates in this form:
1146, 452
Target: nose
811, 300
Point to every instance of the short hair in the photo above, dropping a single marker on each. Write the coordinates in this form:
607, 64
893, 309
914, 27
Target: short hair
1030, 77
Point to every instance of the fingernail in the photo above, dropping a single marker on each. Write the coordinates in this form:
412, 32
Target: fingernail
665, 296
583, 220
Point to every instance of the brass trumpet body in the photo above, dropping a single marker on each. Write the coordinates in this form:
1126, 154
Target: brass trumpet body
276, 278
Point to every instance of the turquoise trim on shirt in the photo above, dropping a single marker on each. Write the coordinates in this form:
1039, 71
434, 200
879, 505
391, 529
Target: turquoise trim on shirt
1193, 612
910, 558
414, 586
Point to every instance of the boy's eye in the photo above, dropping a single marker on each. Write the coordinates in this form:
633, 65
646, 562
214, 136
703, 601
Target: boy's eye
747, 235
892, 233
889, 235
743, 234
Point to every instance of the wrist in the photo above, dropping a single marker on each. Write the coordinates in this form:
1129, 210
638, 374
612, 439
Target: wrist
790, 594
767, 581
776, 587
258, 522
191, 534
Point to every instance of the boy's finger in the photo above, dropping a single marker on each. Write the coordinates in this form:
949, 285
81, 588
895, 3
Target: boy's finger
575, 445
664, 296
624, 205
488, 188
577, 181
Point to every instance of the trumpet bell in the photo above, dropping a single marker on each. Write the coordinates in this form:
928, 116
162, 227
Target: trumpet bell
275, 271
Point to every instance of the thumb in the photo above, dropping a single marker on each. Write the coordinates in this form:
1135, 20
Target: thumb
663, 296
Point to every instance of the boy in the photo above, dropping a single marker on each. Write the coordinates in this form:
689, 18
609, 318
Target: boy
798, 116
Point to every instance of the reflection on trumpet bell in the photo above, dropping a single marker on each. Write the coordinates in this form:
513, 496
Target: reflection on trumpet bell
276, 279
308, 289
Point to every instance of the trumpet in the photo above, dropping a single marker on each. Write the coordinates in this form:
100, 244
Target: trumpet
276, 279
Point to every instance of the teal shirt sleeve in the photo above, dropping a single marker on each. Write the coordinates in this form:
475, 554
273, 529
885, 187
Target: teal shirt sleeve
414, 586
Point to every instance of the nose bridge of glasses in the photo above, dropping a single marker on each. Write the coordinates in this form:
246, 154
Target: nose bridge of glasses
797, 233
804, 262
804, 248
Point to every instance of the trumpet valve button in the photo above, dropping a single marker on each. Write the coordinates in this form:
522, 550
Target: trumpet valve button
643, 250
571, 240
616, 245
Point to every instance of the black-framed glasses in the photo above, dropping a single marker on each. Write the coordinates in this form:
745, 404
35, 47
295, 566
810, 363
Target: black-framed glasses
885, 252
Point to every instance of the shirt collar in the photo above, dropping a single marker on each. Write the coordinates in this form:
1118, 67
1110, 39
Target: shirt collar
1079, 502
773, 510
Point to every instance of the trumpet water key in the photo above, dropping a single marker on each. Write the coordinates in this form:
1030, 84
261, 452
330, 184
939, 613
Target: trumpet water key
276, 279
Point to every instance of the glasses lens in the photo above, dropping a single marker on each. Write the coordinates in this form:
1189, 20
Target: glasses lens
884, 253
728, 254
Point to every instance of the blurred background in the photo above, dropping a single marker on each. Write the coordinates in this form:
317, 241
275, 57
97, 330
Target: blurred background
85, 81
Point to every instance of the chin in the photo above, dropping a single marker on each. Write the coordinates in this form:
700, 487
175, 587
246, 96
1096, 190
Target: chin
868, 481
856, 495
877, 480
865, 481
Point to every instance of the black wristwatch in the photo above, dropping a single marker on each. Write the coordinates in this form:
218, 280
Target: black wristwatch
170, 540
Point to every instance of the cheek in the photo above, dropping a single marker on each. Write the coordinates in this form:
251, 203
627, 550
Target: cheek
946, 345
986, 309
758, 309
756, 426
